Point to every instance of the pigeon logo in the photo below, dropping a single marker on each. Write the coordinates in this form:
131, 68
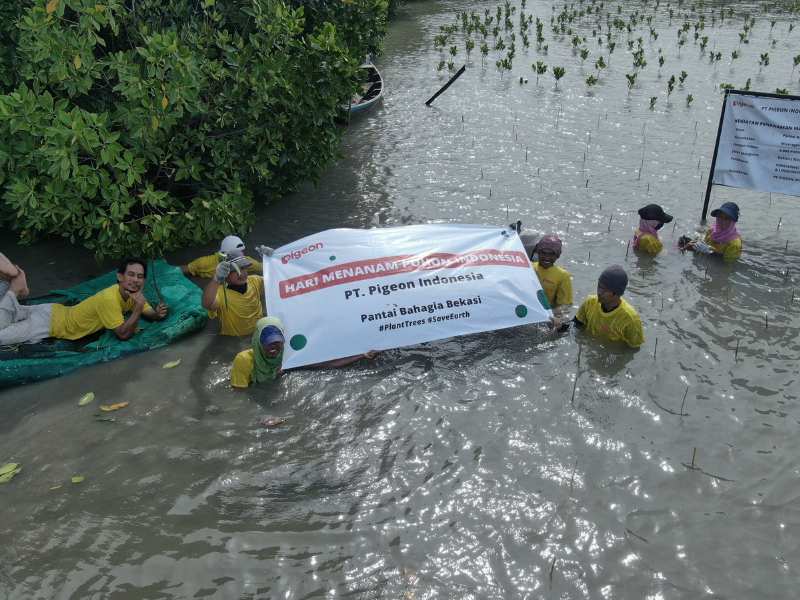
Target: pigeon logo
295, 254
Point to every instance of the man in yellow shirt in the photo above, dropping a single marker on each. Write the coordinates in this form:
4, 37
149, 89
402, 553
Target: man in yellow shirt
231, 247
556, 281
234, 297
105, 310
607, 315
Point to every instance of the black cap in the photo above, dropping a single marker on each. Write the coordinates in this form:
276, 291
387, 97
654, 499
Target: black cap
654, 212
614, 279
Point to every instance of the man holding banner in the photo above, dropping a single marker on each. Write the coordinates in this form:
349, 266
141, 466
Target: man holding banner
344, 292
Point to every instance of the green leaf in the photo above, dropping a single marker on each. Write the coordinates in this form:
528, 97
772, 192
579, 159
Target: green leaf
77, 479
171, 364
86, 399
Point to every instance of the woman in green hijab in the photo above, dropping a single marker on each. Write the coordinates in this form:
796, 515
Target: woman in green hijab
263, 361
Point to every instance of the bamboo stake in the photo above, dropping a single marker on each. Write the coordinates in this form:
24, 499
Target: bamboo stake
683, 402
609, 222
628, 249
736, 353
694, 455
655, 349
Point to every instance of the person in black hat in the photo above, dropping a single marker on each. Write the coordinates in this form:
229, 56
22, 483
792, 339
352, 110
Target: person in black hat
607, 315
651, 218
722, 238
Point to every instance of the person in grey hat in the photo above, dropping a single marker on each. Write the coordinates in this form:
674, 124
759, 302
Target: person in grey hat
607, 314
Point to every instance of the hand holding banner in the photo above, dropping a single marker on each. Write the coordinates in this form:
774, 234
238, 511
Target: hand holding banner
343, 292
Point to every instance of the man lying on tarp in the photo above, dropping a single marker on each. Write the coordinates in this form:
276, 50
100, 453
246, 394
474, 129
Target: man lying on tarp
21, 324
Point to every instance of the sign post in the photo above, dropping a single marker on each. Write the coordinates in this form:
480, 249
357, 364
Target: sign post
758, 144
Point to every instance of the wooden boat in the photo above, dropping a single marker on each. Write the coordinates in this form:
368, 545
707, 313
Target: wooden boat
371, 90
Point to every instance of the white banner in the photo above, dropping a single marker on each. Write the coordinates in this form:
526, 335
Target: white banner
759, 144
343, 292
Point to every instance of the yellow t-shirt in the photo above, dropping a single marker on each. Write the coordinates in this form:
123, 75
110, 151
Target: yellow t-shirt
650, 244
104, 310
620, 325
239, 313
206, 265
242, 370
730, 251
556, 283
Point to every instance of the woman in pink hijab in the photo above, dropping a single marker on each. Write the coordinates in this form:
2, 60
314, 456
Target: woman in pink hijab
651, 218
722, 238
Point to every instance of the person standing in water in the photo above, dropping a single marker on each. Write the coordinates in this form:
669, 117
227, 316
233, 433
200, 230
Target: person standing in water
722, 238
556, 281
262, 362
230, 248
651, 218
607, 315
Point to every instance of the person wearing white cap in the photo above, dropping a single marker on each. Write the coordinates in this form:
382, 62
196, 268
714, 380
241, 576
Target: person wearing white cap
231, 247
235, 297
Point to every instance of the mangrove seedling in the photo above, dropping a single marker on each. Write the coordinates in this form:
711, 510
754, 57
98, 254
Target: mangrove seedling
660, 61
469, 45
653, 100
763, 61
558, 73
584, 54
670, 86
747, 85
631, 77
795, 62
682, 77
689, 100
600, 63
591, 80
725, 86
782, 91
734, 55
540, 69
440, 66
453, 50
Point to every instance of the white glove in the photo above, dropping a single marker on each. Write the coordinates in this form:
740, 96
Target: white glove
703, 248
222, 271
265, 250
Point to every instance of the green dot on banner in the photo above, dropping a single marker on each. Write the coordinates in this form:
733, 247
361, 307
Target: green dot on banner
521, 310
332, 257
543, 299
298, 342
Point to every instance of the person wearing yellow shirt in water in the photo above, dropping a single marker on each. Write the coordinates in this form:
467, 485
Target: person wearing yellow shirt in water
722, 239
235, 297
105, 310
651, 218
262, 362
556, 281
230, 248
607, 315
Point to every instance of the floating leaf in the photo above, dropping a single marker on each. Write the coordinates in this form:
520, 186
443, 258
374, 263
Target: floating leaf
172, 364
57, 487
77, 478
77, 61
8, 470
86, 399
112, 407
52, 6
164, 102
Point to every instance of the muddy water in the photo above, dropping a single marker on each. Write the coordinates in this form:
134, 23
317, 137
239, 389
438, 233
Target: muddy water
463, 468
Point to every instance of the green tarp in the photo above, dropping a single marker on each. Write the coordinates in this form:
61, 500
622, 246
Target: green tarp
51, 358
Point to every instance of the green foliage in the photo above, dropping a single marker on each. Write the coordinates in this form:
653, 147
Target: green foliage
140, 127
